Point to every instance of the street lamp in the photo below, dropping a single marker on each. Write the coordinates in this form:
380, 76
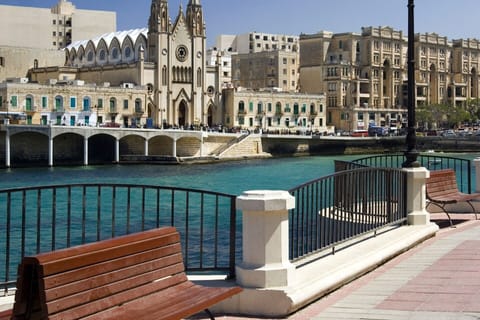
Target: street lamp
411, 153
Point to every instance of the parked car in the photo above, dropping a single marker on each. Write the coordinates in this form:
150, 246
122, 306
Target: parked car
110, 125
449, 133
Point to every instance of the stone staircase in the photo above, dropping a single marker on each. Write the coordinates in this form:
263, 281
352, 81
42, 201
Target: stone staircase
243, 147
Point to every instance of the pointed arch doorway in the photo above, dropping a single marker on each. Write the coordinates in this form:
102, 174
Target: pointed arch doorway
182, 114
210, 116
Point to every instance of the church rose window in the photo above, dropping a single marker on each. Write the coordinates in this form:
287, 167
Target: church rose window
182, 53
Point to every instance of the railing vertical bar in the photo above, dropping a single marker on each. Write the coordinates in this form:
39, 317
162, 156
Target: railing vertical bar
172, 208
201, 230
187, 229
39, 219
114, 195
297, 223
84, 217
216, 228
8, 235
99, 211
317, 216
158, 207
128, 209
54, 212
310, 224
69, 216
303, 224
143, 208
24, 221
233, 233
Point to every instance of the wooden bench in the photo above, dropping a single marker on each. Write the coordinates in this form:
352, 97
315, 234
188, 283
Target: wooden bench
442, 190
138, 276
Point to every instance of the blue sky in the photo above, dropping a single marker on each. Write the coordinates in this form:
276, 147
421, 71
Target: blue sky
454, 19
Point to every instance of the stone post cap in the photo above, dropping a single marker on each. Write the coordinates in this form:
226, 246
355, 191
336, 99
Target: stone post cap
418, 173
265, 200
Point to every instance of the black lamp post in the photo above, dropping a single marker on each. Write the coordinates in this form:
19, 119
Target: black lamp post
411, 153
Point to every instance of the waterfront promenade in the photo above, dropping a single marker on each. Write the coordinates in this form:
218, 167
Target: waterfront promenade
438, 279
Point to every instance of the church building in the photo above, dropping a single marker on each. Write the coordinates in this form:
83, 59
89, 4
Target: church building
167, 59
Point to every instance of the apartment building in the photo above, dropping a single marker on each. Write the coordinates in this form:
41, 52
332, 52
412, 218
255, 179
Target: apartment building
254, 42
72, 103
364, 75
273, 111
268, 69
53, 28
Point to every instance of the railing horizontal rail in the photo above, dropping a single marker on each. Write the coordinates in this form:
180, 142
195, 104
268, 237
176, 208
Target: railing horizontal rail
343, 206
47, 218
431, 161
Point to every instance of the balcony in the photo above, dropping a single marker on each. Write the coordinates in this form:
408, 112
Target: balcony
30, 109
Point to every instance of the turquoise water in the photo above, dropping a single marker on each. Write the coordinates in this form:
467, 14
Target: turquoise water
227, 177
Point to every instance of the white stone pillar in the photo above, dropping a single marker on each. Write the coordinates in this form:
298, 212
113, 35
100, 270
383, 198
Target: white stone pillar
476, 163
50, 151
117, 151
85, 151
416, 196
7, 149
201, 144
265, 262
146, 147
174, 150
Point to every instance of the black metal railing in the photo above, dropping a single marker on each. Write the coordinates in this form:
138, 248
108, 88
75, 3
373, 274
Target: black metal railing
462, 167
47, 218
345, 205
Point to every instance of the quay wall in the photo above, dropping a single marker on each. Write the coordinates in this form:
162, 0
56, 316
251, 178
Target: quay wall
29, 147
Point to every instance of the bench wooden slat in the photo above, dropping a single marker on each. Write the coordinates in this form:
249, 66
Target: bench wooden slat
104, 244
104, 288
135, 295
173, 303
83, 257
87, 272
113, 276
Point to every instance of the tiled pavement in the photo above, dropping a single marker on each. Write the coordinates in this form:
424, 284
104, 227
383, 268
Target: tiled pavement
439, 279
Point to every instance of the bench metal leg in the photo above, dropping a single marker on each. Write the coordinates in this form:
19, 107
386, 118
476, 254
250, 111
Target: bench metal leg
209, 314
473, 209
443, 209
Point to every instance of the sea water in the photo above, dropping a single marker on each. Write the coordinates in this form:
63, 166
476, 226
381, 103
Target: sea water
226, 177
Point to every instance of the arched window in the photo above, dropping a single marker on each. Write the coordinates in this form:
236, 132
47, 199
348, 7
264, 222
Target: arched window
86, 103
29, 103
295, 108
102, 55
138, 106
278, 108
90, 56
241, 107
128, 52
164, 75
58, 103
115, 53
199, 77
113, 105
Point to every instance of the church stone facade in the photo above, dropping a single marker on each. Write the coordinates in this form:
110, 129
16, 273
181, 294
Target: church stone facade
167, 60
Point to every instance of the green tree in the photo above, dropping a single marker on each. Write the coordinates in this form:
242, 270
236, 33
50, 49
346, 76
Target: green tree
431, 116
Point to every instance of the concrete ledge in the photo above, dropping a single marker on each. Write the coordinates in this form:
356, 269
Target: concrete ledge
322, 276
